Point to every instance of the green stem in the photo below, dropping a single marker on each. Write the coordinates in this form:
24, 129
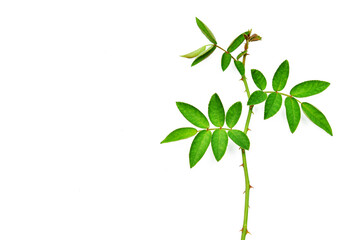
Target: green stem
282, 94
219, 128
247, 196
244, 164
247, 180
225, 51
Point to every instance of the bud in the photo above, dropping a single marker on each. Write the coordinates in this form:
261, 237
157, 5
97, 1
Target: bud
254, 38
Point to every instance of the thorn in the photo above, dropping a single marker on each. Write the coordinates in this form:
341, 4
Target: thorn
241, 165
249, 129
251, 186
247, 232
244, 192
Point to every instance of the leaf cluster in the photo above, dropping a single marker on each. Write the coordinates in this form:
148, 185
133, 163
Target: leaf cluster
217, 137
273, 99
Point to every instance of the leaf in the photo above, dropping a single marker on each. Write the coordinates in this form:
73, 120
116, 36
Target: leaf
257, 97
259, 79
309, 88
240, 138
195, 53
199, 146
206, 31
240, 67
281, 76
272, 105
204, 55
193, 115
292, 113
236, 43
241, 54
233, 114
179, 134
317, 117
219, 142
216, 111
225, 60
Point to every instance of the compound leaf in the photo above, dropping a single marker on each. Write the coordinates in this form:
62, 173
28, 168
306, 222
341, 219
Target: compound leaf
216, 111
206, 31
317, 117
309, 88
233, 114
193, 115
259, 79
240, 138
281, 76
199, 146
219, 142
204, 55
272, 105
179, 134
292, 113
195, 53
257, 97
225, 60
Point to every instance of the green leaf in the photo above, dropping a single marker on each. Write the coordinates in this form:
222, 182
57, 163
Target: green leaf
240, 138
281, 76
316, 117
206, 31
292, 113
199, 146
240, 67
219, 142
257, 97
233, 114
309, 88
236, 43
272, 105
225, 60
179, 134
216, 111
259, 79
204, 55
195, 53
241, 54
193, 115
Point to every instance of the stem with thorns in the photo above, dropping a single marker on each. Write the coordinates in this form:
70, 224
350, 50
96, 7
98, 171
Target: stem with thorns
244, 164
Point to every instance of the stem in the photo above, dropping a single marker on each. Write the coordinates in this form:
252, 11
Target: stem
209, 129
282, 94
247, 180
247, 196
225, 51
244, 77
244, 164
246, 173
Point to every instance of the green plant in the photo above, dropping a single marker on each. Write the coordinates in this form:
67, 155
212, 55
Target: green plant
218, 135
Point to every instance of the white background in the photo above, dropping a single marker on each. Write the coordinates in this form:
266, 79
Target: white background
88, 92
